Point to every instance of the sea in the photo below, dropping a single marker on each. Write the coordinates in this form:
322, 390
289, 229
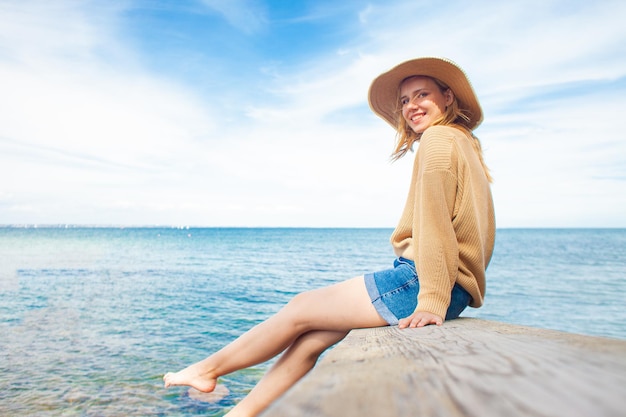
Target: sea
92, 317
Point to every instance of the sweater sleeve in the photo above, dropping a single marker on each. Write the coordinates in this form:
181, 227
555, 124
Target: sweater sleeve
435, 243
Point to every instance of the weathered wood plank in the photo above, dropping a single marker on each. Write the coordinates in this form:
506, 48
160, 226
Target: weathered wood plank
468, 367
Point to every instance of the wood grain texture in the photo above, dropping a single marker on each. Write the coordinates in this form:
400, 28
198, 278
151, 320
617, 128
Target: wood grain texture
467, 367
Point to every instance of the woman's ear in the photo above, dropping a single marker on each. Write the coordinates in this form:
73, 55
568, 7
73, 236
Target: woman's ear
449, 96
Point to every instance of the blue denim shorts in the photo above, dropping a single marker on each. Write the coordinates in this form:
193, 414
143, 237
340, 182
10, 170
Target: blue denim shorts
394, 292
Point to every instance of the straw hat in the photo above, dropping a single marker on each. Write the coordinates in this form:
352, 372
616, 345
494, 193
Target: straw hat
383, 93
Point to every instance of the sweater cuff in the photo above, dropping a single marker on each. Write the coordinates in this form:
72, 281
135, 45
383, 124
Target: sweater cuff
433, 304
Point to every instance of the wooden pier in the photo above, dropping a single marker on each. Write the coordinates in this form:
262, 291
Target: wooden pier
467, 367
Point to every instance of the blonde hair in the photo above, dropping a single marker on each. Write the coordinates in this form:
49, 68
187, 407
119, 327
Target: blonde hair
452, 116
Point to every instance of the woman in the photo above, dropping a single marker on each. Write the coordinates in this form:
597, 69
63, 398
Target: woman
443, 241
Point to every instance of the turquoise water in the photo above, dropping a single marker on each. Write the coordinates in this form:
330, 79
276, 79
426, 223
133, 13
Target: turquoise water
91, 317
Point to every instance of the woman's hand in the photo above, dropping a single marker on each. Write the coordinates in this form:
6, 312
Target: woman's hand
420, 319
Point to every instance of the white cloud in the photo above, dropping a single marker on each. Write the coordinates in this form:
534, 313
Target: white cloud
90, 136
249, 16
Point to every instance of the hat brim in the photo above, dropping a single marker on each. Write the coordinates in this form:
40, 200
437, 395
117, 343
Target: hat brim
383, 93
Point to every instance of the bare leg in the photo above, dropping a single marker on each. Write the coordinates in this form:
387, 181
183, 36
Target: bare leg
339, 307
297, 360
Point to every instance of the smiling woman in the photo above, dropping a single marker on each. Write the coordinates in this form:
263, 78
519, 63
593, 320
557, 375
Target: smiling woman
423, 102
443, 243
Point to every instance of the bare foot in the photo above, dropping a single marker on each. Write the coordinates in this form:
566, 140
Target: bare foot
191, 376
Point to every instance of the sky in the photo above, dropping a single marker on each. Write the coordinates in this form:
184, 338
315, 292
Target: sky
254, 113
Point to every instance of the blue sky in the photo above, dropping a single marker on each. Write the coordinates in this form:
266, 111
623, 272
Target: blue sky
254, 113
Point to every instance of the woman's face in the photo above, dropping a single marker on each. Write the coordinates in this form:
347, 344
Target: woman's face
423, 102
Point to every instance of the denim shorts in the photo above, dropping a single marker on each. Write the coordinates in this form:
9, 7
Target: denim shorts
394, 292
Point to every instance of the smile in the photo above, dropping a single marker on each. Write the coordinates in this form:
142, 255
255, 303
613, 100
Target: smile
416, 117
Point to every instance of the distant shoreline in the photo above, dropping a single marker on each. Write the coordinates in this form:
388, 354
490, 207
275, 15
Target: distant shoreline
173, 227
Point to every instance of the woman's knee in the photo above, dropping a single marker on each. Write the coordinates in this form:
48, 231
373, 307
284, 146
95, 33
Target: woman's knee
298, 311
298, 303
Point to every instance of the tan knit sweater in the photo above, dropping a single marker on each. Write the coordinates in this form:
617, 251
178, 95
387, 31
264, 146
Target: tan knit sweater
448, 223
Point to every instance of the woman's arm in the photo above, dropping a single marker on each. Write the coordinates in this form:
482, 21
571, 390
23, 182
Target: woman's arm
435, 241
